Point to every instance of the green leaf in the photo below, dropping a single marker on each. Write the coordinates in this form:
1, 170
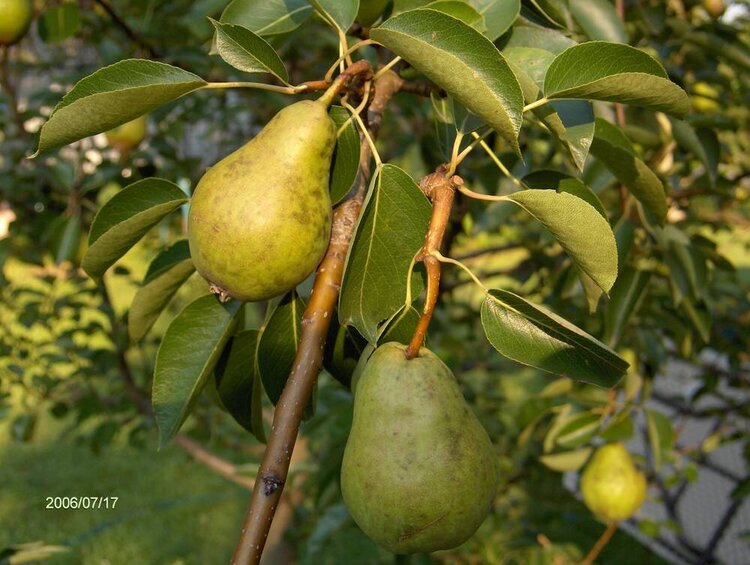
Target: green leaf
573, 125
703, 144
462, 61
238, 383
700, 317
561, 182
165, 275
660, 436
247, 51
578, 431
461, 11
126, 218
112, 96
535, 336
599, 20
686, 269
532, 60
539, 38
345, 157
581, 230
391, 230
267, 17
620, 428
343, 349
401, 327
627, 294
615, 151
555, 11
58, 23
278, 344
186, 357
498, 15
599, 70
567, 461
339, 13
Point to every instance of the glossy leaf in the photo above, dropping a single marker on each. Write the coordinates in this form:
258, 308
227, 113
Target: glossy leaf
539, 38
599, 20
578, 431
545, 179
247, 51
599, 70
582, 231
703, 144
566, 461
186, 357
345, 157
165, 275
461, 11
112, 96
238, 383
620, 428
627, 294
660, 436
498, 15
391, 230
572, 123
126, 218
535, 336
267, 17
462, 61
58, 23
278, 344
614, 150
339, 13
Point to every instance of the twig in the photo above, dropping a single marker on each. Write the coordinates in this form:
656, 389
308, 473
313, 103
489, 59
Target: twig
123, 25
215, 463
290, 408
600, 544
440, 189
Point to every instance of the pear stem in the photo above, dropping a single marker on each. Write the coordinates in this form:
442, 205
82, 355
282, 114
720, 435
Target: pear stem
600, 544
273, 470
440, 188
361, 68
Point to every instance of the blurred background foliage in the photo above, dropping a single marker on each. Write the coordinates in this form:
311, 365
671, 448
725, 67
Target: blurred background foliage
74, 414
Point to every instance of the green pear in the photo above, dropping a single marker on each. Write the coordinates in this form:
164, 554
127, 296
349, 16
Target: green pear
260, 218
15, 17
612, 486
419, 472
128, 135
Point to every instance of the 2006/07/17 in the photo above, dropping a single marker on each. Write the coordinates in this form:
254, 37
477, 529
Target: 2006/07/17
84, 502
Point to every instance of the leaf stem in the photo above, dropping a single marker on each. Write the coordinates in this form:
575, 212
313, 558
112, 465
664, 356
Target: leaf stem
392, 63
472, 146
259, 86
365, 133
440, 189
495, 159
454, 154
479, 196
536, 104
352, 49
440, 257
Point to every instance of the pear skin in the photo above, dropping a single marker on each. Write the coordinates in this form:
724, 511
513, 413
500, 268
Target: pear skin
612, 486
419, 472
260, 219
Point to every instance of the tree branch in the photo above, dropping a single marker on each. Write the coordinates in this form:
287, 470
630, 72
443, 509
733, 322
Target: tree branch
10, 91
123, 25
440, 189
290, 408
217, 464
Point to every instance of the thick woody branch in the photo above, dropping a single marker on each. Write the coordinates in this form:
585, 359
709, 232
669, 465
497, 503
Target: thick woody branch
440, 189
319, 312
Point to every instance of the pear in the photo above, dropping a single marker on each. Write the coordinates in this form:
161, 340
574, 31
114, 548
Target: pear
612, 486
260, 218
15, 17
419, 472
128, 135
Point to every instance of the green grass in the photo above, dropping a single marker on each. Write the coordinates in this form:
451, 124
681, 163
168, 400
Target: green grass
170, 509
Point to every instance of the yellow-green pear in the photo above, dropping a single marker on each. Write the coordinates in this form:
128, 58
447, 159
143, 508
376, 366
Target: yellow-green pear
419, 472
612, 486
127, 136
260, 218
15, 17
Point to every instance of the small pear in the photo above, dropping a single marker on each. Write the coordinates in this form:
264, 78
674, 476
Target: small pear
128, 135
15, 17
419, 472
612, 486
260, 218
